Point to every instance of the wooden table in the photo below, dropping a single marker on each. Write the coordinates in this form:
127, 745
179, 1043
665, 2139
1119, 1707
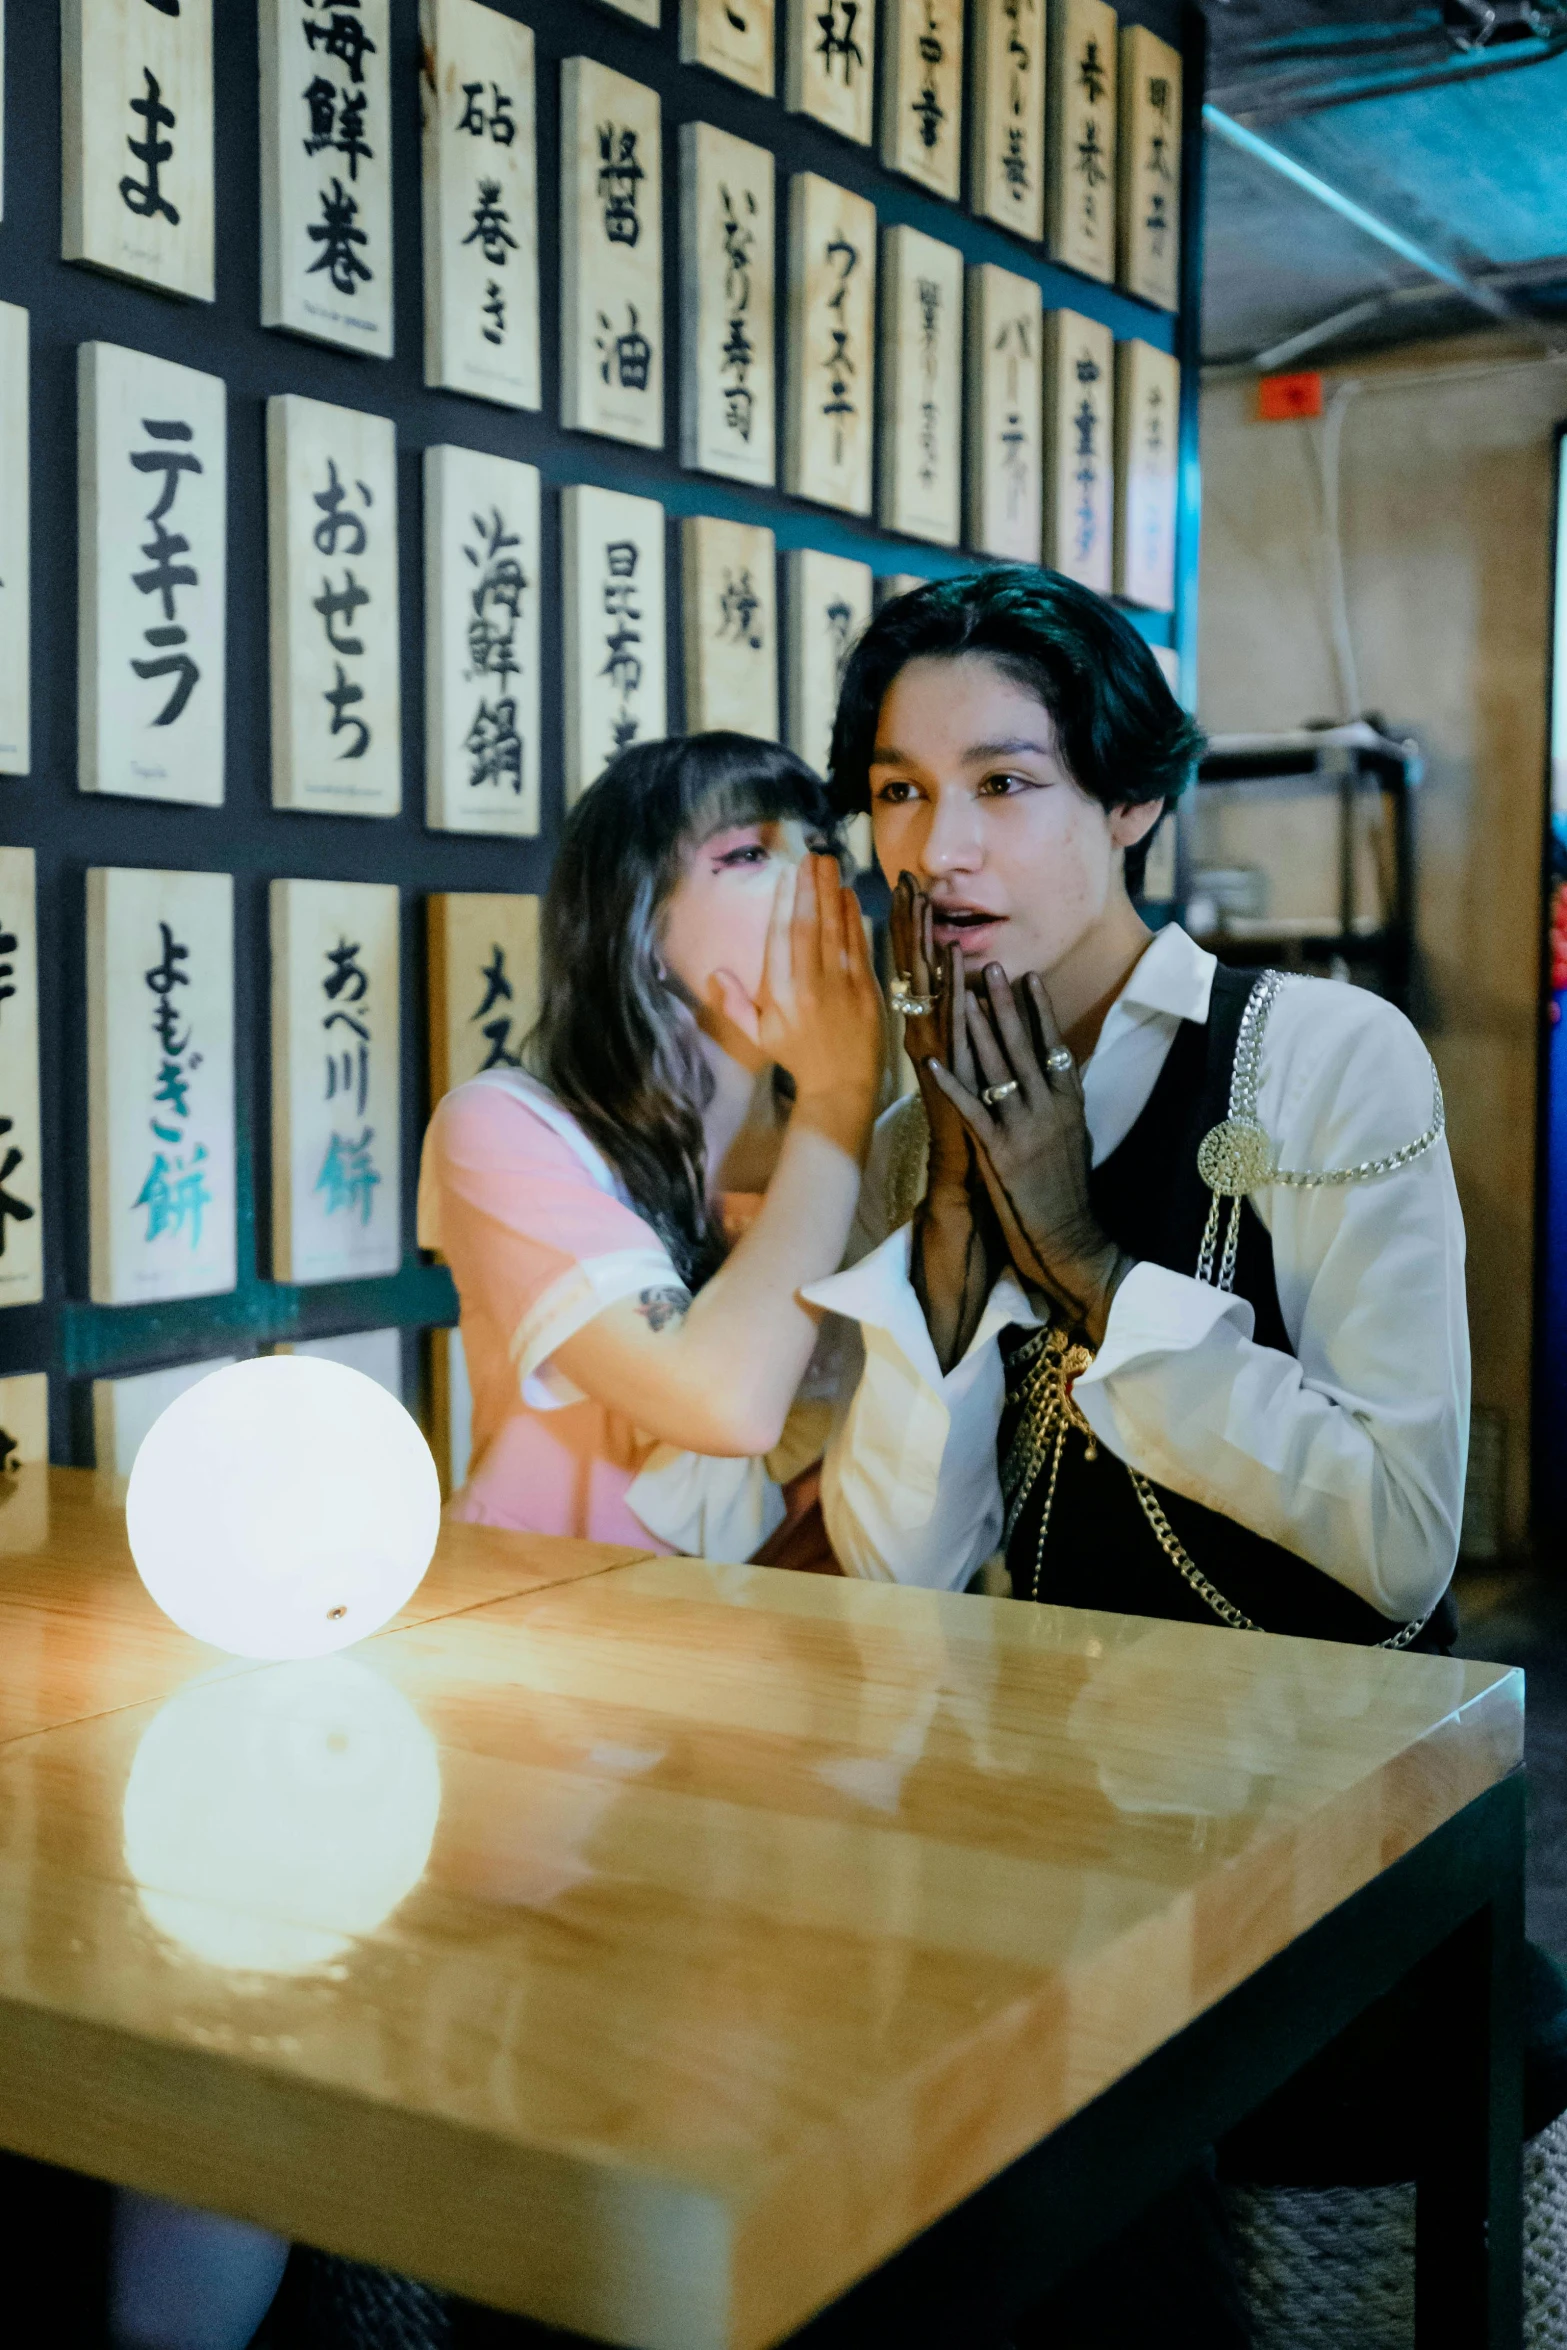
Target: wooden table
657, 1948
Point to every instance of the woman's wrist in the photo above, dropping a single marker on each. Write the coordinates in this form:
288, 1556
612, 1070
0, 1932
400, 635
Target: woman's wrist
844, 1113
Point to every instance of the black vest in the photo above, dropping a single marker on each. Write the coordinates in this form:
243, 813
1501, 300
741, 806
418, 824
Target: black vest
1100, 1550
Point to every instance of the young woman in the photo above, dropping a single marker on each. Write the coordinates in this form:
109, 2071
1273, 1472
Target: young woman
630, 1304
630, 1311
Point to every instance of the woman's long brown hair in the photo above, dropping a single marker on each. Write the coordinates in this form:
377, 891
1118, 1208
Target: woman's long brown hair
616, 1039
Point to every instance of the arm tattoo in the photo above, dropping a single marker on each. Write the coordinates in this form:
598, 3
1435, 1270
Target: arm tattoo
660, 1307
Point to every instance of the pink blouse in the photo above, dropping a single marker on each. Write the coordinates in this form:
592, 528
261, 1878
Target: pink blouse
540, 1238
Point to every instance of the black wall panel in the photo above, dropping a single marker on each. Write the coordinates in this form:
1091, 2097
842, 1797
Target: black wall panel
69, 831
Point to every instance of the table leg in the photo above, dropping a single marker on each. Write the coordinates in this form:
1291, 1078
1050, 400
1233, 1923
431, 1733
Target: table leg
1469, 2195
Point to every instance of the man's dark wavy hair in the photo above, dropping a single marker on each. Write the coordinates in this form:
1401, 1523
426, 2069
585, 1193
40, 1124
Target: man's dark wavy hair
616, 1038
1122, 734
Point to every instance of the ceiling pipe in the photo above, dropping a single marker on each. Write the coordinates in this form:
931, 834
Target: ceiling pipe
1483, 297
1552, 272
1293, 347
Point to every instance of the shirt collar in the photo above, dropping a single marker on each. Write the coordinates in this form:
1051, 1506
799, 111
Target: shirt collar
1173, 977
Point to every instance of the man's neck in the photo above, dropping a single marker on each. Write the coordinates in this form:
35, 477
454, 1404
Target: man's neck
1086, 982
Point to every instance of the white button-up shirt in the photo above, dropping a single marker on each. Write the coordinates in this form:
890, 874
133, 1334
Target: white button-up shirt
1349, 1452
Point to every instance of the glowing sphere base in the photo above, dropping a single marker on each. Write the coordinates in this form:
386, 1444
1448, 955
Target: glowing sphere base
283, 1508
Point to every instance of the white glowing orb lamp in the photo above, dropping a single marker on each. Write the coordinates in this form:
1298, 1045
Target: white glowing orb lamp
273, 1819
283, 1508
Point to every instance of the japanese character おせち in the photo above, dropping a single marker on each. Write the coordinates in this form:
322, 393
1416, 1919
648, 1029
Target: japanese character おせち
343, 529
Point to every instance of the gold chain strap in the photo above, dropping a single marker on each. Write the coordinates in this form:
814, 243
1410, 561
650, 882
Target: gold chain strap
1048, 1409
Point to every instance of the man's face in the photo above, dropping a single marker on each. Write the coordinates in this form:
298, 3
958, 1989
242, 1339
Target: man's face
969, 794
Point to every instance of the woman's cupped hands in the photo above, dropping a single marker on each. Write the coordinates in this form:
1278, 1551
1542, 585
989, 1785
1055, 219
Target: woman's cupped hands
818, 1012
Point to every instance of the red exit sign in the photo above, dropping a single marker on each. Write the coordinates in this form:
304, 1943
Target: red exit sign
1280, 398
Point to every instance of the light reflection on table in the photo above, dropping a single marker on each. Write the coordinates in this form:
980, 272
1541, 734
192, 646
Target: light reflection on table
273, 1819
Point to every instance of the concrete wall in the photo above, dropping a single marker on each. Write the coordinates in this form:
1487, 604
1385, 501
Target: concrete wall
1446, 520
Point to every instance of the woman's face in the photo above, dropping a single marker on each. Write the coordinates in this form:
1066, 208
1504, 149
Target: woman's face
719, 910
970, 795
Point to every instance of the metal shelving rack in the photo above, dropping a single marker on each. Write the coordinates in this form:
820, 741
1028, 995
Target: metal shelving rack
1347, 761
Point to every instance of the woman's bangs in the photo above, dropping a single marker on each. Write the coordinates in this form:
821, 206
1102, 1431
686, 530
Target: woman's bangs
759, 784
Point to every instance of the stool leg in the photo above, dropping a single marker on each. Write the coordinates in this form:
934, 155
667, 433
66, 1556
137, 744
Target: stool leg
1469, 2192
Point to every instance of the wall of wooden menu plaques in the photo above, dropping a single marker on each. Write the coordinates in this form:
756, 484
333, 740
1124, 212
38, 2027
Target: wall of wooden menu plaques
476, 332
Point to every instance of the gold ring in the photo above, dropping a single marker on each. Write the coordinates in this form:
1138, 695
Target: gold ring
1059, 1061
998, 1093
902, 990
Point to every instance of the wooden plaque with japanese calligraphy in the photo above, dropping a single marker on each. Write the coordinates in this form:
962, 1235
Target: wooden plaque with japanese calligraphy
730, 596
123, 1410
481, 221
611, 256
136, 124
1007, 153
892, 584
827, 604
830, 390
830, 63
326, 173
733, 37
1149, 218
1081, 136
920, 474
1079, 448
612, 560
152, 500
332, 577
21, 1187
336, 1097
726, 305
1005, 414
160, 1083
484, 983
24, 1420
922, 92
15, 546
481, 617
1147, 403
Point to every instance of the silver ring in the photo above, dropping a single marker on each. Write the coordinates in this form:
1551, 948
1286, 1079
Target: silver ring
992, 1094
1059, 1061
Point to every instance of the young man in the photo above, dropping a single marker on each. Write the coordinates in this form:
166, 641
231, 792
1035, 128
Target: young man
1212, 1213
1160, 1280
